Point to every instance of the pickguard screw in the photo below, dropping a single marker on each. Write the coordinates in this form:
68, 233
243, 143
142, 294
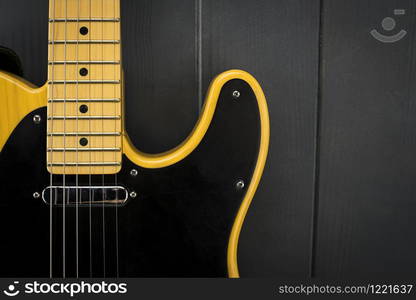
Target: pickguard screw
134, 172
236, 94
37, 119
36, 195
133, 194
240, 185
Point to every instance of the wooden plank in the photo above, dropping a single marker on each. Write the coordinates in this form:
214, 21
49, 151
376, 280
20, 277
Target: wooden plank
277, 42
160, 80
367, 207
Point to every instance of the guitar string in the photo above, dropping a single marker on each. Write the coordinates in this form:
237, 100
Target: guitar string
64, 150
76, 140
102, 138
50, 143
90, 156
120, 111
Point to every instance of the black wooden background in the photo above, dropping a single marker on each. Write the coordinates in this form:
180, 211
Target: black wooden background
338, 196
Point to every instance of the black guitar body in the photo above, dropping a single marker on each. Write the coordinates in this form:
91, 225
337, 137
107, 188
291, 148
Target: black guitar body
176, 222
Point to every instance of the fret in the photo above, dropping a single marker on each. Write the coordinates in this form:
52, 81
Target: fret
93, 141
80, 100
94, 72
74, 164
83, 62
84, 52
81, 134
96, 31
84, 118
84, 82
57, 20
71, 42
84, 149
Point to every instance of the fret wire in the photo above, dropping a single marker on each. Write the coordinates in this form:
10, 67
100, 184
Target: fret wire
82, 100
83, 62
85, 82
59, 20
71, 164
84, 150
84, 134
69, 42
84, 118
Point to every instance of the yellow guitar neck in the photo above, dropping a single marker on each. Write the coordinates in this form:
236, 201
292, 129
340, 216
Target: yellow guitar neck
84, 129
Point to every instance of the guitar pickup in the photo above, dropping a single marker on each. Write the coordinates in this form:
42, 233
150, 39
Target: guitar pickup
85, 195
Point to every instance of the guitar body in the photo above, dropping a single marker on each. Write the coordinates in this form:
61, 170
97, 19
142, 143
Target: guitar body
184, 208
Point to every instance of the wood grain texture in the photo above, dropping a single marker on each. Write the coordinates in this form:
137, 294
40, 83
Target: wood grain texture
25, 30
277, 42
367, 207
84, 8
160, 79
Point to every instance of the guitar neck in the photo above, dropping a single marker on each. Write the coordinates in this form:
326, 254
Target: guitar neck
85, 89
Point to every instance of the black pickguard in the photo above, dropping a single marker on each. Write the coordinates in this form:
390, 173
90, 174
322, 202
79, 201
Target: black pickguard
177, 226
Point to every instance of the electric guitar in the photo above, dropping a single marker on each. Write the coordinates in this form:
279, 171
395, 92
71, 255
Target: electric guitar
79, 200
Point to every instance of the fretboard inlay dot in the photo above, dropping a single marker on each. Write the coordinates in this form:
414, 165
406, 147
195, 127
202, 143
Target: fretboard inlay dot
83, 72
83, 30
83, 142
83, 109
